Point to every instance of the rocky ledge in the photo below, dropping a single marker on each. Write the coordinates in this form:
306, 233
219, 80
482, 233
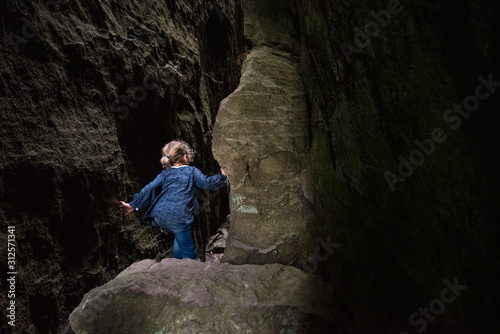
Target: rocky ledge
185, 296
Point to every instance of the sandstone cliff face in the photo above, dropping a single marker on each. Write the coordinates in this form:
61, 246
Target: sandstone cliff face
89, 93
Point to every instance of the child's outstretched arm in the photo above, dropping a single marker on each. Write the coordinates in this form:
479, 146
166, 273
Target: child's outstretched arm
126, 208
144, 198
209, 182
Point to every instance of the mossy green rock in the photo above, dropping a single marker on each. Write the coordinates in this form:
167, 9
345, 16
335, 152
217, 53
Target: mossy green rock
184, 296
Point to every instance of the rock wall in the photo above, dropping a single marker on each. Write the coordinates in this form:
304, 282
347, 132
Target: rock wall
383, 79
89, 93
403, 119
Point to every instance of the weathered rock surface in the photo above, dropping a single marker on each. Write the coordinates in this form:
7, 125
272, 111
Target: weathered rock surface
373, 94
184, 296
261, 139
89, 92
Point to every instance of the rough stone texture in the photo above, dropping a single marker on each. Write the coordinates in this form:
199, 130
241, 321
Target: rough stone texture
261, 139
184, 296
87, 99
269, 23
367, 109
58, 133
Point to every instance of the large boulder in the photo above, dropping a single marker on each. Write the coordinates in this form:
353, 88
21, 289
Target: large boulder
184, 296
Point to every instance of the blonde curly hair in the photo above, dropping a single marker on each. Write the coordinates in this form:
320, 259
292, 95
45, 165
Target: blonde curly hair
176, 151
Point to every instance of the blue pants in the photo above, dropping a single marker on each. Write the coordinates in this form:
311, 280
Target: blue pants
184, 247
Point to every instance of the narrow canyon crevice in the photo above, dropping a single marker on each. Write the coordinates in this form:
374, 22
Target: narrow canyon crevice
363, 174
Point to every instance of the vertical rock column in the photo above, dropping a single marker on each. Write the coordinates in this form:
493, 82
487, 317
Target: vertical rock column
261, 139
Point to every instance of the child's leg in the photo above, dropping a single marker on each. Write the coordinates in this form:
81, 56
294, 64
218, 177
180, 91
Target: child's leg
177, 252
185, 243
184, 247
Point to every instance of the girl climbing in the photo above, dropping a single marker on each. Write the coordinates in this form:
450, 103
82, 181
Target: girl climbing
170, 197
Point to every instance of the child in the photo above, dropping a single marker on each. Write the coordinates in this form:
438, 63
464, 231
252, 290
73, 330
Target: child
170, 198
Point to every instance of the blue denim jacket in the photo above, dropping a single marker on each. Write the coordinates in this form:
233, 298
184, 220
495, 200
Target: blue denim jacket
172, 194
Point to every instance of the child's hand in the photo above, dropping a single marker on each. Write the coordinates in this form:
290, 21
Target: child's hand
126, 208
222, 172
